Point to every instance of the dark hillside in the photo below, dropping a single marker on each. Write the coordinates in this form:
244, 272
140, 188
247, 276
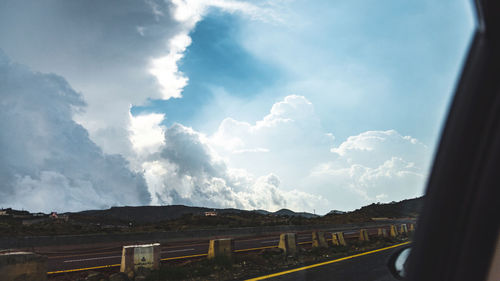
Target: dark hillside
290, 213
402, 209
405, 208
146, 214
152, 214
179, 217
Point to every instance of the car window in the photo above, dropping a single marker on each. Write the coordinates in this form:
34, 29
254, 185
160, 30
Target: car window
150, 116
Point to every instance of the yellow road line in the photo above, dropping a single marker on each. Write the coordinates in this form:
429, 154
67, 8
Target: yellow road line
82, 269
118, 251
254, 249
168, 259
201, 255
325, 263
184, 257
114, 252
115, 265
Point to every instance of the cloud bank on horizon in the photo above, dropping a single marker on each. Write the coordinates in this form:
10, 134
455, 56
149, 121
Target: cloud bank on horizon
70, 79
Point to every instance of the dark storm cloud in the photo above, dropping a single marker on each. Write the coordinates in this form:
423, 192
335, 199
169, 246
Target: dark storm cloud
47, 161
102, 48
86, 35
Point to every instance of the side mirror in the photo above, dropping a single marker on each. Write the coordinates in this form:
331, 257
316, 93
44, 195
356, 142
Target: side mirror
398, 263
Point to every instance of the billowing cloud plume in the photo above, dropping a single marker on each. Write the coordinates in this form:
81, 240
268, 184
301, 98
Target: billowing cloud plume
47, 161
291, 142
146, 134
287, 141
286, 159
126, 53
188, 171
122, 53
104, 54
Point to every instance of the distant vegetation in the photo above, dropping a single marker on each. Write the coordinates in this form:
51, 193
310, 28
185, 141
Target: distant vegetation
179, 217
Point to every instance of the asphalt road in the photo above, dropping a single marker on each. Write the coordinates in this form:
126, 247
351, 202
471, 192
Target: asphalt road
88, 257
372, 267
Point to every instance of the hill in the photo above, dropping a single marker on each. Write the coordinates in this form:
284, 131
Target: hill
290, 213
402, 209
405, 208
146, 214
180, 217
152, 214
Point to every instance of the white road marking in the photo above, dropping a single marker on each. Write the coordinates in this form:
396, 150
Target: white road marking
91, 259
181, 250
270, 241
111, 257
255, 239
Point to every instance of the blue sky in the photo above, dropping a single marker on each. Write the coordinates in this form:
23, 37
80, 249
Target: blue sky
230, 103
215, 60
380, 64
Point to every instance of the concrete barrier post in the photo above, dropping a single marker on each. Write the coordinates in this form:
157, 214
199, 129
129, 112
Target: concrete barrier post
340, 237
136, 256
23, 266
335, 240
412, 227
404, 229
382, 232
288, 243
363, 235
220, 248
394, 231
318, 239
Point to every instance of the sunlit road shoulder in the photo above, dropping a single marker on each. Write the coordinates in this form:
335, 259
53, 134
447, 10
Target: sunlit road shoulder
372, 267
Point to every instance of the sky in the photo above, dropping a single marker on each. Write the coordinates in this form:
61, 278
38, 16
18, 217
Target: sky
307, 105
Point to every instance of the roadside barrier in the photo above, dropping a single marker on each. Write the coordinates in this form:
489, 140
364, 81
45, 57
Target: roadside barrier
217, 247
335, 240
318, 239
382, 232
135, 256
338, 239
363, 235
23, 266
288, 243
220, 248
404, 229
393, 231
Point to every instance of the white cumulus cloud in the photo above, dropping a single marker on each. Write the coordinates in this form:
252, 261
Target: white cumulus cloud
47, 160
286, 159
291, 142
187, 170
146, 133
375, 165
128, 54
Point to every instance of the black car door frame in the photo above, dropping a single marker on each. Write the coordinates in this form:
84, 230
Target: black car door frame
458, 226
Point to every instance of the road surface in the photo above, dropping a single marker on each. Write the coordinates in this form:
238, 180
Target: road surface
371, 267
88, 257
